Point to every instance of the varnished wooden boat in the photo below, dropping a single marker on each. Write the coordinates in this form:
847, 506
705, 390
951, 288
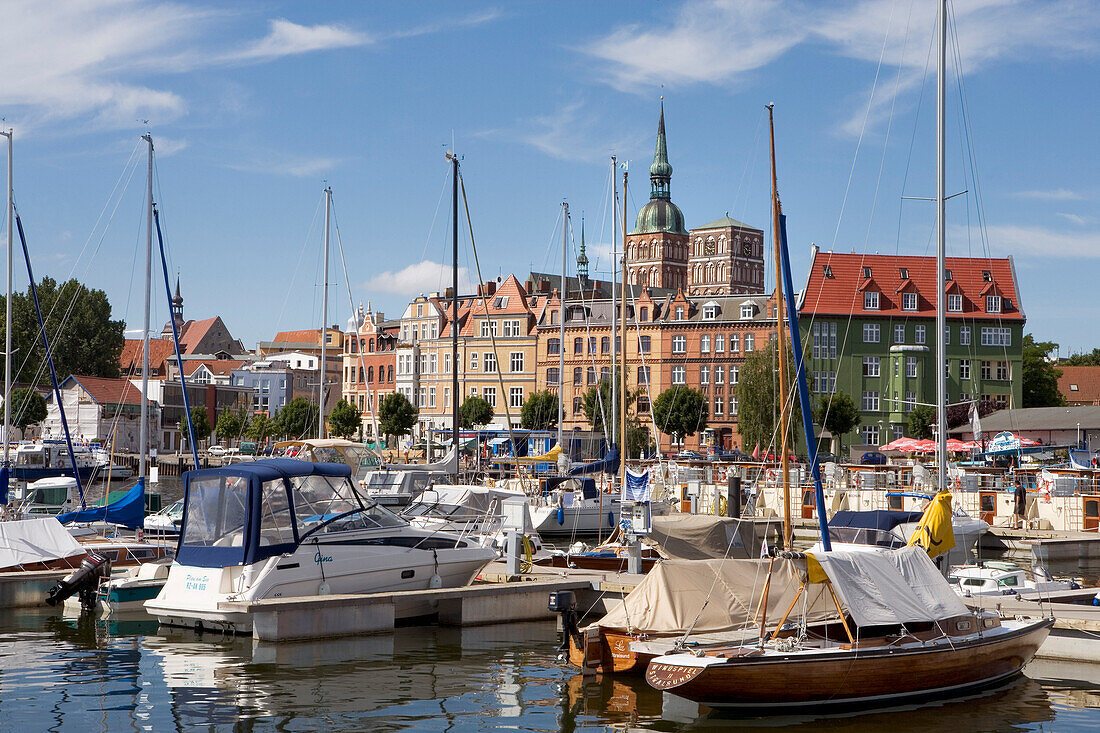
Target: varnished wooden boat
873, 671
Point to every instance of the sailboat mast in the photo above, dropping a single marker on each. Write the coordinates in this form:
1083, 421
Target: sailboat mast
614, 281
453, 157
10, 134
781, 346
143, 440
561, 323
622, 370
324, 321
941, 248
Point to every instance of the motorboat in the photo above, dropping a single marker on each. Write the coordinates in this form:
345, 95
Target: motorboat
573, 505
888, 529
282, 528
125, 592
470, 510
397, 484
48, 459
998, 578
52, 495
107, 469
167, 521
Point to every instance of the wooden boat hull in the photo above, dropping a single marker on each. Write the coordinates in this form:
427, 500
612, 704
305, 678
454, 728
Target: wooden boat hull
604, 562
607, 652
750, 679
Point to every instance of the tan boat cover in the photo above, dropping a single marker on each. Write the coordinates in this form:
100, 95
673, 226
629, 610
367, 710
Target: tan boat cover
704, 537
30, 541
447, 464
881, 588
713, 596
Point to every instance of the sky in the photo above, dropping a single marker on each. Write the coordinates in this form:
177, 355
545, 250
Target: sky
254, 107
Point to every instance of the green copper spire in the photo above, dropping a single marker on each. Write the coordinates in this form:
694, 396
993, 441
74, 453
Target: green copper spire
660, 172
660, 214
582, 258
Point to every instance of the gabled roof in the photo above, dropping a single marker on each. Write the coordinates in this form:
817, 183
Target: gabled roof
131, 358
1080, 383
194, 332
217, 367
839, 294
304, 336
510, 299
108, 391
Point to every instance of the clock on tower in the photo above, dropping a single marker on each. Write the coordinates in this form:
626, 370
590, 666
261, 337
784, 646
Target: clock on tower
746, 249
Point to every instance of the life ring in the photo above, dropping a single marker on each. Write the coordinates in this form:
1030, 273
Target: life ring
772, 476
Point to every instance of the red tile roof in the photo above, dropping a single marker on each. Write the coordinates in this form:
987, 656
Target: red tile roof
1086, 379
109, 391
515, 304
305, 336
842, 293
193, 333
131, 358
217, 367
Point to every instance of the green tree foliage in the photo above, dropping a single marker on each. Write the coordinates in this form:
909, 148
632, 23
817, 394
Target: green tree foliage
959, 414
27, 407
838, 414
260, 428
1040, 378
86, 342
231, 425
638, 440
297, 419
473, 412
540, 411
680, 411
596, 403
1082, 359
344, 420
921, 420
758, 400
396, 415
200, 422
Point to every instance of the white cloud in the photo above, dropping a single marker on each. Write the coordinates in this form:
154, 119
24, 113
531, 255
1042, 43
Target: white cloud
1042, 242
287, 39
1075, 219
1057, 194
566, 134
422, 277
283, 164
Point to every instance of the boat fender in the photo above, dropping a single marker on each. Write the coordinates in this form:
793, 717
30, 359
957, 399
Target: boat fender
435, 581
561, 516
323, 588
610, 519
1096, 601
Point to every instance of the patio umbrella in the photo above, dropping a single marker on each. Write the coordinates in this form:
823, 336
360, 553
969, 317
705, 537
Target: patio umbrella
958, 446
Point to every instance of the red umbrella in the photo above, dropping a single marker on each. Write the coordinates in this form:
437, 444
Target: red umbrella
958, 446
756, 452
924, 446
901, 444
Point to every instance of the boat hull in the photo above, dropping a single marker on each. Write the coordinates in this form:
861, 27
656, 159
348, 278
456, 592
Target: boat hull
576, 520
751, 680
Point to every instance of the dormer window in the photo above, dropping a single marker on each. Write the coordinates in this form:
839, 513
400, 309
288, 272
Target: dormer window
827, 271
992, 304
710, 311
1073, 388
866, 273
747, 311
679, 313
903, 272
908, 301
954, 303
643, 314
870, 300
501, 302
987, 276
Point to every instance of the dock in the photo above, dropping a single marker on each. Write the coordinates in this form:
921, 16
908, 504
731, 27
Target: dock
1076, 633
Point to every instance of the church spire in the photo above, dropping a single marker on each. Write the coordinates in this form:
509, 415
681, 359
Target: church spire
582, 258
660, 173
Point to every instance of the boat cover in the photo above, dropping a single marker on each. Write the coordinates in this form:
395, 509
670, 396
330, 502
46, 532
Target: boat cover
703, 537
550, 456
449, 464
586, 486
890, 587
712, 596
129, 511
29, 541
608, 464
884, 520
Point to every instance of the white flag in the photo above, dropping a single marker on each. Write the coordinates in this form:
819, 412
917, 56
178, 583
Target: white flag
975, 421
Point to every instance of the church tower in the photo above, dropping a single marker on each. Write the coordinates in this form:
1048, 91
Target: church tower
177, 314
657, 249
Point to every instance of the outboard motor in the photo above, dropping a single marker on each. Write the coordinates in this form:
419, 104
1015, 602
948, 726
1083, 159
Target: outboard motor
84, 580
564, 602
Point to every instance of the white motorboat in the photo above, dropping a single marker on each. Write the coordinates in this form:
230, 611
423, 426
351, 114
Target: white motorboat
997, 578
570, 506
167, 521
281, 528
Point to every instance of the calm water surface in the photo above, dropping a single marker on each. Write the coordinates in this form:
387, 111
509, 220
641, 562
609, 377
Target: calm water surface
59, 673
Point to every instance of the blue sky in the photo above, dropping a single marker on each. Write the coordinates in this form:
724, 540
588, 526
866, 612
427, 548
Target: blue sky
254, 105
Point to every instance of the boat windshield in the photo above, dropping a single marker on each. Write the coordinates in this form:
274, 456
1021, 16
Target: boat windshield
865, 536
217, 511
334, 504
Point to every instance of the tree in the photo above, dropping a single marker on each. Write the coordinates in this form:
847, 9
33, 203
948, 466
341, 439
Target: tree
200, 423
297, 418
596, 403
231, 425
638, 440
344, 420
1082, 359
680, 411
758, 400
260, 428
86, 341
474, 411
1040, 377
540, 411
27, 407
960, 414
921, 420
838, 414
396, 415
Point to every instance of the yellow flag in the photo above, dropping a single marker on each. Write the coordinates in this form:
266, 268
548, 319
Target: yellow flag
934, 533
814, 572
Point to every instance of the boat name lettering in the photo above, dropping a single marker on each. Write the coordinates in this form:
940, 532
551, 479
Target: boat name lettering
319, 558
197, 582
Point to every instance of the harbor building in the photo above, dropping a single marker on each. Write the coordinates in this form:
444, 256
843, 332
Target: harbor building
370, 360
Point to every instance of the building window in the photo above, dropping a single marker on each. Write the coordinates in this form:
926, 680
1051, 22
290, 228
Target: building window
473, 361
870, 434
578, 345
704, 374
719, 344
964, 369
908, 301
423, 397
591, 374
920, 334
870, 301
746, 311
993, 336
605, 345
679, 313
490, 394
992, 304
553, 346
643, 344
710, 312
679, 344
704, 344
911, 366
643, 376
431, 396
577, 406
578, 375
719, 374
446, 363
870, 401
899, 333
954, 303
987, 370
1002, 371
591, 344
750, 342
717, 406
679, 375
516, 361
735, 343
964, 335
870, 333
605, 374
870, 366
643, 404
643, 315
511, 328
552, 376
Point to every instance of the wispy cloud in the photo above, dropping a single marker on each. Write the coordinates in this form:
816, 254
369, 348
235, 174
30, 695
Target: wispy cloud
567, 133
1057, 194
283, 164
1075, 218
1042, 242
422, 277
288, 39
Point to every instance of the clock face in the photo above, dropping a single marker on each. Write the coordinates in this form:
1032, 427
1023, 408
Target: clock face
746, 249
709, 248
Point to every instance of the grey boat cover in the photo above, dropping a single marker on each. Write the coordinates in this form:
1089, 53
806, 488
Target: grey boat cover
30, 541
888, 587
714, 596
704, 537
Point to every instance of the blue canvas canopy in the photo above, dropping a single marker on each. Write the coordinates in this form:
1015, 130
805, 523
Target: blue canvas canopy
228, 512
129, 511
884, 520
608, 464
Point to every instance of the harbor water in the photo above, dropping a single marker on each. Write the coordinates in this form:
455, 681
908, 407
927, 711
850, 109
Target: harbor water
61, 673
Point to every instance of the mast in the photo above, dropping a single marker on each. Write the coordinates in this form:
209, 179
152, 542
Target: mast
781, 345
561, 323
614, 279
143, 440
622, 370
324, 321
454, 306
941, 248
10, 134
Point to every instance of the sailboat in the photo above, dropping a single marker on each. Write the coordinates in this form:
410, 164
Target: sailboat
905, 634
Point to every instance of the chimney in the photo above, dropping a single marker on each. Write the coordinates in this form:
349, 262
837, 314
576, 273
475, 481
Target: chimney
490, 287
544, 286
449, 293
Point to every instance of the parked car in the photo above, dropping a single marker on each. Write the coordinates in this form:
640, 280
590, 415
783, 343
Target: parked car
826, 457
689, 454
217, 450
873, 458
248, 449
